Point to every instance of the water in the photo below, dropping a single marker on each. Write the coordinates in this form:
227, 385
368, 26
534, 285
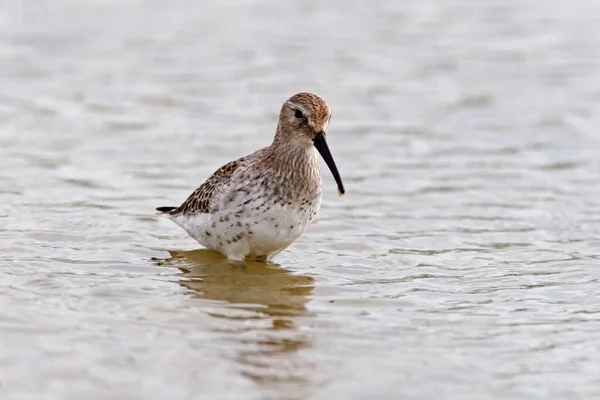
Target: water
461, 264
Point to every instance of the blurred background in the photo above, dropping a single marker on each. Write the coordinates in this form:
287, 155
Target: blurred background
461, 264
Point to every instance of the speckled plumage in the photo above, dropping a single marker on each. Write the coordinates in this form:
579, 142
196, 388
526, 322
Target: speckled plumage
257, 205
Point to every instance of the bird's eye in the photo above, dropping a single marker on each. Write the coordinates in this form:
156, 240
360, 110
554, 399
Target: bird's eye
299, 114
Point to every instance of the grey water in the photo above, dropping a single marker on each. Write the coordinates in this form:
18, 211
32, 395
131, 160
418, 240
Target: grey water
462, 263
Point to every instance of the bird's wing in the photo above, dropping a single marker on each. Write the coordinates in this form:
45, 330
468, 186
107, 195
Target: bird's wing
201, 200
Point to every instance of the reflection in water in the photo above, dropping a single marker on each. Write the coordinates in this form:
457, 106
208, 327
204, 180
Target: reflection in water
263, 301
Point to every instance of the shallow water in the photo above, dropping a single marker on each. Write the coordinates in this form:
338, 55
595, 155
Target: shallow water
461, 264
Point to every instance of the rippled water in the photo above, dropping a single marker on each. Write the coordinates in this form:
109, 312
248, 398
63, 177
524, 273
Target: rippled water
462, 263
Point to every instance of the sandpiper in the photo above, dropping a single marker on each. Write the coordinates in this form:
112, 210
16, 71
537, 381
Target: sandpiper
256, 206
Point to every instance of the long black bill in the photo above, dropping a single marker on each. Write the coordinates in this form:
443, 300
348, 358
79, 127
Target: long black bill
321, 145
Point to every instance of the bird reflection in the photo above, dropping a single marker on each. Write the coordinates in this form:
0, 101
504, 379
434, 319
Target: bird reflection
261, 298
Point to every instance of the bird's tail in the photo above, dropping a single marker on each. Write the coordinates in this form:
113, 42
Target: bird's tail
165, 210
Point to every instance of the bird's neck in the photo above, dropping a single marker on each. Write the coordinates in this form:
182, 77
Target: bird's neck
293, 161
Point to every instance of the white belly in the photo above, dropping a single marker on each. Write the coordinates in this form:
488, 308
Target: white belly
250, 226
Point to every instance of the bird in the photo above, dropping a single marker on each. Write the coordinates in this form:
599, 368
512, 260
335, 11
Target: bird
254, 207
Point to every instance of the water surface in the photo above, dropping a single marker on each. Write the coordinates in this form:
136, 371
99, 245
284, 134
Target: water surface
461, 264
